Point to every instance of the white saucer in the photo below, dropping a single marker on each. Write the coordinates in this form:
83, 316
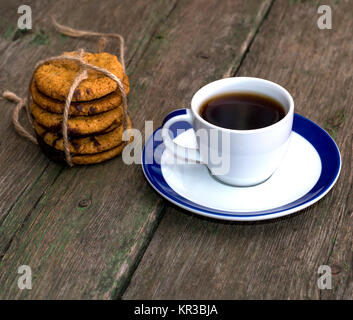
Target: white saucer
309, 170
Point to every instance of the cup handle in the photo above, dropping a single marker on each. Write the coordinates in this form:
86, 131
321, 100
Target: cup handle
188, 154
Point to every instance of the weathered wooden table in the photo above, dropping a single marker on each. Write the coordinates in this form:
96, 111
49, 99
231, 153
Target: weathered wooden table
125, 241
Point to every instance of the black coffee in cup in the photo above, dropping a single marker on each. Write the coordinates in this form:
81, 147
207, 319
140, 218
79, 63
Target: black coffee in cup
242, 111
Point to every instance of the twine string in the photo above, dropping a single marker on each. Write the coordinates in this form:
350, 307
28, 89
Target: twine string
78, 79
21, 102
84, 33
82, 75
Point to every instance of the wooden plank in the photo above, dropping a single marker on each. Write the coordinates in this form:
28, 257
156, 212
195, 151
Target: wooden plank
23, 167
27, 177
34, 171
191, 257
90, 252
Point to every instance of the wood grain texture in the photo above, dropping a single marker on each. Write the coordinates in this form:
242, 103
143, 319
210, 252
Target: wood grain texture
89, 252
42, 224
192, 257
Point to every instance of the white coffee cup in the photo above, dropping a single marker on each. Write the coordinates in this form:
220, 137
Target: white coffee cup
251, 156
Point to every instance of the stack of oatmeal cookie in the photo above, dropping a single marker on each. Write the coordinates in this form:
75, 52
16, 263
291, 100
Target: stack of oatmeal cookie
95, 124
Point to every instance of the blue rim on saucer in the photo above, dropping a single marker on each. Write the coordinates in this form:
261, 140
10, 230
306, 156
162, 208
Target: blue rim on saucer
315, 135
